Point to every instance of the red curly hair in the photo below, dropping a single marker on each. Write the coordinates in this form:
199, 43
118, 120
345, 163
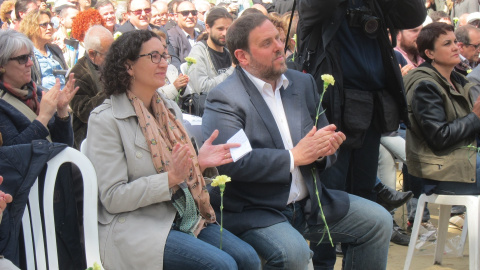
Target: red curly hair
83, 21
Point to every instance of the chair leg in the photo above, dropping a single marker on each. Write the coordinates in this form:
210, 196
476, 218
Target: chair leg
442, 232
473, 241
416, 227
461, 248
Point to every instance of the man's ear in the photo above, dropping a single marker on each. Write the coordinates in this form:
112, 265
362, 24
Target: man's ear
242, 56
92, 54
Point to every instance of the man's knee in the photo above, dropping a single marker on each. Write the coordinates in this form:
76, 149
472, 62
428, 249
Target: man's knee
289, 256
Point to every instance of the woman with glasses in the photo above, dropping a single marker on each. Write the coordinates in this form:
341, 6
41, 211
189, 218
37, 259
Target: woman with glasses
154, 209
441, 144
28, 114
49, 62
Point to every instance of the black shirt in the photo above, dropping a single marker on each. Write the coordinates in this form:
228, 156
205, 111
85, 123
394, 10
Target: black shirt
221, 60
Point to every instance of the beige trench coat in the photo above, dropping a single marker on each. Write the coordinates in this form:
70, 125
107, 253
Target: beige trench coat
135, 213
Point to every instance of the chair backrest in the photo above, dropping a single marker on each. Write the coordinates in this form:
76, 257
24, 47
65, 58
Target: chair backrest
32, 222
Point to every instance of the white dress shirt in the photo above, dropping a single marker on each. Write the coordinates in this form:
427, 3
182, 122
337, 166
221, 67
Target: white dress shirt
298, 189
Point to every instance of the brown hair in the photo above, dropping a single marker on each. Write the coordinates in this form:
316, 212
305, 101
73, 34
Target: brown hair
429, 34
29, 24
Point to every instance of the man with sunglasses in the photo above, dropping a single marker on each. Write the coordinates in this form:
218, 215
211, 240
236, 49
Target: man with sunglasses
183, 36
468, 38
140, 13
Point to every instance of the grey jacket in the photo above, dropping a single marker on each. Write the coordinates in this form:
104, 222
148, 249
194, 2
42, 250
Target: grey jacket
135, 213
203, 76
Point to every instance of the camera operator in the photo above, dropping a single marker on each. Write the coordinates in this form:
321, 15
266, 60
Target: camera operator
349, 40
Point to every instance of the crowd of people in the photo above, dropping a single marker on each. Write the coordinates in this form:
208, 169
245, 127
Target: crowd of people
121, 74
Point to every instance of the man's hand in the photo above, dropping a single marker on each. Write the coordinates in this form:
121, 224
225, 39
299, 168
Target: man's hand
316, 144
211, 155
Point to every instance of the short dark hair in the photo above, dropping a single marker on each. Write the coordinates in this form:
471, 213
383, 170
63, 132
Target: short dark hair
102, 3
22, 6
463, 33
249, 11
437, 15
429, 34
114, 75
239, 31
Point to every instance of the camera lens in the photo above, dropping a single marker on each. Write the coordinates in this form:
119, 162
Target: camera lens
370, 24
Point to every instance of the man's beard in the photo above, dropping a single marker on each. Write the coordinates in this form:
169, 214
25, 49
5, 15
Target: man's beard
412, 49
216, 41
267, 72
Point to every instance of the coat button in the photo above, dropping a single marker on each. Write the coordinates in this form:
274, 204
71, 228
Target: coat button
139, 154
121, 220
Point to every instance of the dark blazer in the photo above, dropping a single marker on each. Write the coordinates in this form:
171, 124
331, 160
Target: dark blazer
261, 180
181, 46
89, 95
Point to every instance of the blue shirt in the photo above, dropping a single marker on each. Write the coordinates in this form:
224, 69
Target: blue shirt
47, 66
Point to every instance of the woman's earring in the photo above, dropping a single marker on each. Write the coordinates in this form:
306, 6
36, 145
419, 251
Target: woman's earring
2, 70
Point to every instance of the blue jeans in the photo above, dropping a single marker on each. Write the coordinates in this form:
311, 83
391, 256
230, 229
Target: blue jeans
183, 251
366, 230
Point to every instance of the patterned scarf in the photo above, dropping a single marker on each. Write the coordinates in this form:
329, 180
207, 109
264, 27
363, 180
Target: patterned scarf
27, 94
162, 131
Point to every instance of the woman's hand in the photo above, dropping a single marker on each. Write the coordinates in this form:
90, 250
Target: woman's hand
181, 81
48, 104
181, 164
66, 95
211, 155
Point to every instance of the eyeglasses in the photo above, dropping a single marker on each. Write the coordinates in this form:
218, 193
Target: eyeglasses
139, 12
22, 59
156, 57
186, 12
476, 46
45, 25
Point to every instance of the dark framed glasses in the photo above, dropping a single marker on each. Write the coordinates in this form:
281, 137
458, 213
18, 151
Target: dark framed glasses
186, 12
22, 59
139, 12
474, 45
156, 57
45, 25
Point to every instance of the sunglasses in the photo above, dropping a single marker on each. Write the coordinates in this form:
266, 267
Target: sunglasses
22, 59
186, 12
139, 12
45, 25
156, 57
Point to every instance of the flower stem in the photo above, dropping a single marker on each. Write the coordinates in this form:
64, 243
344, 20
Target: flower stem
222, 189
321, 210
325, 85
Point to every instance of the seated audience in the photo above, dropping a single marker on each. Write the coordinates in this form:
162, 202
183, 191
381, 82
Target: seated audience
5, 13
213, 60
154, 209
159, 13
274, 200
106, 9
87, 77
28, 114
441, 144
49, 63
175, 83
81, 24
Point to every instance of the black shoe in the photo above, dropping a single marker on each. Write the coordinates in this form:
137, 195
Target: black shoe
399, 236
390, 198
458, 210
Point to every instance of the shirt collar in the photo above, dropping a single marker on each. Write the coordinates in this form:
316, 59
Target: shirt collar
262, 85
188, 35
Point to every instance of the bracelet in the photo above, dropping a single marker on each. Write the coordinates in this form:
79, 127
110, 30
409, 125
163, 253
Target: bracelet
64, 118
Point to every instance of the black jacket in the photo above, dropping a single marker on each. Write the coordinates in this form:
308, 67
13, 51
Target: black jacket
327, 16
20, 165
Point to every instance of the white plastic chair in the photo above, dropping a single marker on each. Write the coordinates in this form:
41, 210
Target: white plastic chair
472, 202
32, 223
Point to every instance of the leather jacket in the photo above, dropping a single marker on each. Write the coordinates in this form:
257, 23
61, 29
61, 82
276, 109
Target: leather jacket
440, 141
